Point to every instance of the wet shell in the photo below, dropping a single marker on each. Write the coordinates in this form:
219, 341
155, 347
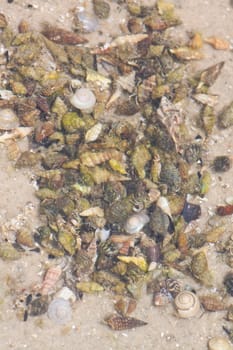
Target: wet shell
136, 222
59, 311
62, 36
200, 270
187, 304
218, 43
221, 164
85, 22
39, 306
8, 119
83, 99
219, 343
161, 298
51, 278
120, 323
212, 303
91, 159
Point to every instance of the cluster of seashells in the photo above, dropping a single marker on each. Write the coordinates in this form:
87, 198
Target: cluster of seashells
113, 160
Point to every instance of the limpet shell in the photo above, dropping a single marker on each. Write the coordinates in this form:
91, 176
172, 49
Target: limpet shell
59, 311
219, 343
187, 304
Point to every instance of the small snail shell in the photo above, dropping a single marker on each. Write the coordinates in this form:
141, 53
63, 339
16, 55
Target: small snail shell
8, 119
187, 304
59, 311
136, 222
219, 343
83, 99
67, 294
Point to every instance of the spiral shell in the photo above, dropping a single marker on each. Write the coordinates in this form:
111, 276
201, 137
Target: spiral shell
59, 311
136, 222
83, 99
187, 304
219, 343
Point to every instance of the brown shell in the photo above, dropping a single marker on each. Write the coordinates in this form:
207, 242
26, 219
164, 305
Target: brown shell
62, 36
120, 323
212, 302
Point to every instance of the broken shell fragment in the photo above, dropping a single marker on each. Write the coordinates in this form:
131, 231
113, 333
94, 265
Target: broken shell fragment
187, 304
8, 119
83, 99
136, 222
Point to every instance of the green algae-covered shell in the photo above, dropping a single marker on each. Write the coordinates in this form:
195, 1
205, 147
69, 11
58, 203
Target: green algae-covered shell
71, 122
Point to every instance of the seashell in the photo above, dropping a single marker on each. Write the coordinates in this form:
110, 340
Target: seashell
83, 99
173, 286
94, 211
59, 311
51, 278
66, 294
187, 304
8, 252
101, 9
225, 118
125, 307
228, 282
100, 175
208, 119
144, 90
140, 157
62, 36
221, 164
89, 287
206, 99
186, 53
17, 133
137, 260
191, 211
170, 176
224, 210
136, 222
85, 22
200, 270
212, 302
38, 306
71, 122
119, 323
8, 119
163, 204
219, 343
24, 237
66, 237
91, 159
218, 43
159, 222
93, 133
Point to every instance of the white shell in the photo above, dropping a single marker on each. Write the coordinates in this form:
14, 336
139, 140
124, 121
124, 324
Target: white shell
93, 133
59, 311
67, 294
8, 119
83, 99
219, 343
87, 22
187, 304
136, 222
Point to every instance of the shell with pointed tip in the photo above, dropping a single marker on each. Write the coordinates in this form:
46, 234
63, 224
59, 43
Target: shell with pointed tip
187, 304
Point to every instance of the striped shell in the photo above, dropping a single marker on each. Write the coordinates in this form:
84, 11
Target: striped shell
119, 323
